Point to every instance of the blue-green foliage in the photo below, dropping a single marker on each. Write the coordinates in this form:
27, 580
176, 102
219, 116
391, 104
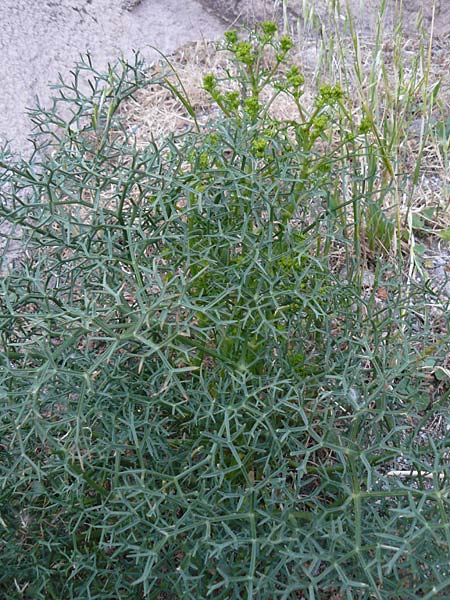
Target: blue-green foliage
194, 403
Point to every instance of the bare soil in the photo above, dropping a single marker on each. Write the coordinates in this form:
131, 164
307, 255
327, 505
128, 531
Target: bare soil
41, 38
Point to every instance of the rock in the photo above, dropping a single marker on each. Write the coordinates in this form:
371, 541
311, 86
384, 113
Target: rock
130, 4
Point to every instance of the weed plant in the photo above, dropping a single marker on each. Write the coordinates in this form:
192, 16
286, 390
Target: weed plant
197, 401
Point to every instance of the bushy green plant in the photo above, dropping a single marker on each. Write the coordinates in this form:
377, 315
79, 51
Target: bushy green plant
194, 403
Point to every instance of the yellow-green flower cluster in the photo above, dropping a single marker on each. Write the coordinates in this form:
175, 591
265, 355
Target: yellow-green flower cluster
259, 147
329, 95
365, 126
244, 52
269, 30
252, 107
